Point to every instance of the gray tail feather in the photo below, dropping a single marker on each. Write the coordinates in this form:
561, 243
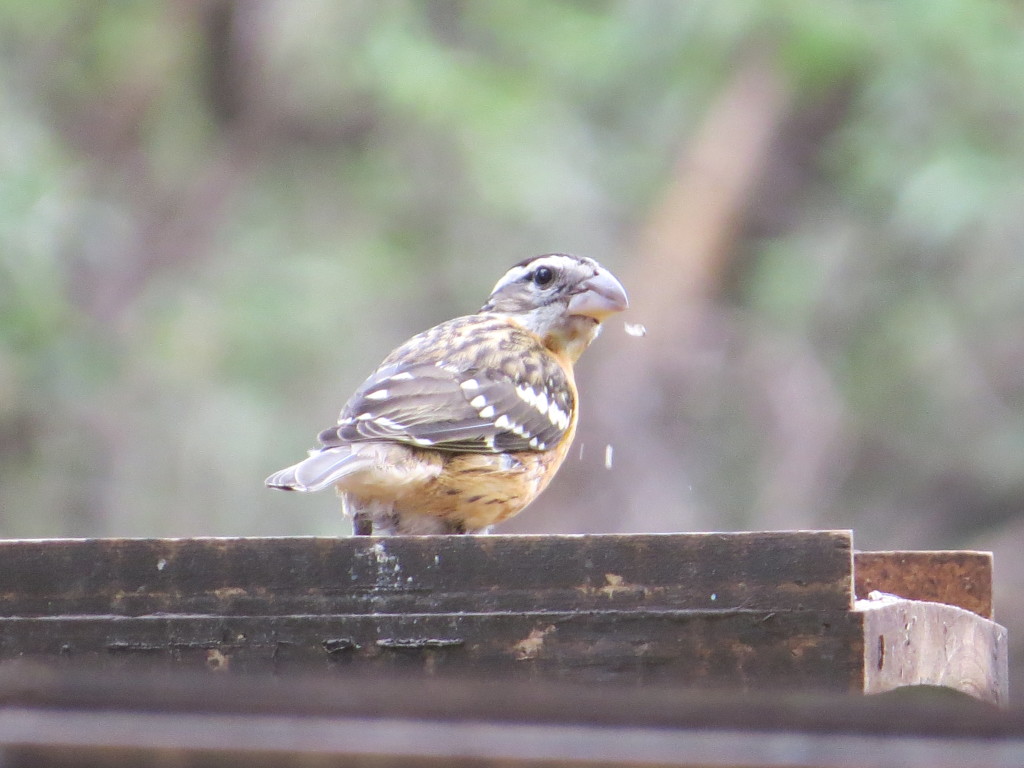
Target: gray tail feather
322, 469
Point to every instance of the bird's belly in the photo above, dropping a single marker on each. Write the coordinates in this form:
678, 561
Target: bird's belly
476, 490
448, 493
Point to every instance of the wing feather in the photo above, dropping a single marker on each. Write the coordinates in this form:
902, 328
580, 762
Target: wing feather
508, 394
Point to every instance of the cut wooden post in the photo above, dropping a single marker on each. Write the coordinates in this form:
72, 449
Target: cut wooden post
754, 611
908, 642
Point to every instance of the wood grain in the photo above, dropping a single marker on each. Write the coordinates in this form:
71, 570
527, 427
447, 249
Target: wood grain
427, 574
747, 650
758, 611
912, 643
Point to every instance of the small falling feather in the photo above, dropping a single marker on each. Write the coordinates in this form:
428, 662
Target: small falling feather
608, 456
635, 329
581, 451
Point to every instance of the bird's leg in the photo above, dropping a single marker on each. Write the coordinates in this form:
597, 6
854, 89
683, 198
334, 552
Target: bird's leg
362, 524
371, 518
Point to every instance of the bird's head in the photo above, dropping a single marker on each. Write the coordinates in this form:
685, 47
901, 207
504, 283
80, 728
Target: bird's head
561, 298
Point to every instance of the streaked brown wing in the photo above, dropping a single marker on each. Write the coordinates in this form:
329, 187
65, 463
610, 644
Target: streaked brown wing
465, 396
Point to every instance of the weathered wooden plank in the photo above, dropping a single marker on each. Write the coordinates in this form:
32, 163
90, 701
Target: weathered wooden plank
405, 694
427, 574
148, 740
961, 578
72, 718
754, 611
749, 650
908, 642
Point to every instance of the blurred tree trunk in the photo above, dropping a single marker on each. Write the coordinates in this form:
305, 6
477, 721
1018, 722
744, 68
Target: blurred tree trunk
753, 153
675, 276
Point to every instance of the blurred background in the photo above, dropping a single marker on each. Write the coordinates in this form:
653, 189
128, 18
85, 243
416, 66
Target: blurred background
217, 216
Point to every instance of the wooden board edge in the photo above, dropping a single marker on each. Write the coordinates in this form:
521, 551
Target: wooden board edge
774, 570
961, 578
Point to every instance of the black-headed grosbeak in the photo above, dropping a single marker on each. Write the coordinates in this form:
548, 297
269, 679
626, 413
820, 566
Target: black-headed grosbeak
465, 424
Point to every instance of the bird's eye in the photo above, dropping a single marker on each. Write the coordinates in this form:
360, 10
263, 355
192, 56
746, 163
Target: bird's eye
542, 276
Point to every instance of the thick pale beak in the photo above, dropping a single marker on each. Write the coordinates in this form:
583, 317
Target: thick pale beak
602, 295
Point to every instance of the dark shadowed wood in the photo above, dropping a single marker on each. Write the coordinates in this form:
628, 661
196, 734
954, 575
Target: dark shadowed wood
403, 693
427, 574
750, 650
908, 642
960, 578
74, 718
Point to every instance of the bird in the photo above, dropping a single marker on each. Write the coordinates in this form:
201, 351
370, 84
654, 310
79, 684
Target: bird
465, 424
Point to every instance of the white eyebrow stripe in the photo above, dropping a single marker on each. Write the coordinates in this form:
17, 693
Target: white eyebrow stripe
514, 274
557, 261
